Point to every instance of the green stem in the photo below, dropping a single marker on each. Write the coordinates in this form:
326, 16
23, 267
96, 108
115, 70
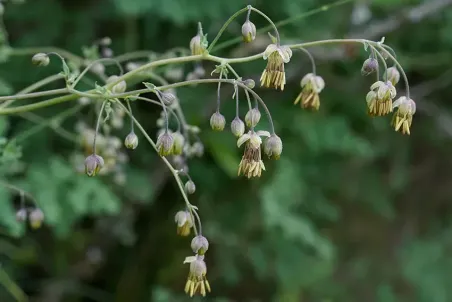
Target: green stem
282, 23
34, 50
34, 86
98, 124
160, 104
405, 78
167, 163
180, 114
33, 94
12, 287
16, 189
50, 123
91, 65
164, 109
278, 39
166, 62
311, 58
382, 59
218, 92
130, 109
225, 25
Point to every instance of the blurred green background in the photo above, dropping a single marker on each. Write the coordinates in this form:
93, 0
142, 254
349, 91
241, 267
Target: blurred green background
351, 212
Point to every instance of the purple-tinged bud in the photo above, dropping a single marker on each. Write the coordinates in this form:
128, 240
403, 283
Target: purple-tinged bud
369, 66
93, 164
273, 147
165, 143
200, 245
36, 218
248, 31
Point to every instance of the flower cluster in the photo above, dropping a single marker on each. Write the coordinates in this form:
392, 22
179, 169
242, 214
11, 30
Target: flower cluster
103, 152
34, 215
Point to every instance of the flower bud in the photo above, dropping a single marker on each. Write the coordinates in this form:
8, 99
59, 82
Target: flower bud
190, 187
131, 141
179, 143
237, 127
36, 218
184, 223
217, 121
118, 88
252, 117
165, 143
369, 66
107, 52
93, 164
198, 149
196, 45
248, 31
168, 98
200, 245
273, 146
105, 41
40, 59
393, 75
21, 215
249, 83
98, 68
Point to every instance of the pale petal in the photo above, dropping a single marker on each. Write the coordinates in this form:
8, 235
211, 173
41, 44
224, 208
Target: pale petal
243, 139
263, 133
306, 79
189, 259
376, 85
319, 83
269, 50
285, 53
399, 102
255, 140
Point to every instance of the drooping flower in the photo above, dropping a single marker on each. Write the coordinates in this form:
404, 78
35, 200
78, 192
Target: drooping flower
248, 31
190, 187
199, 245
251, 164
93, 164
369, 66
274, 75
36, 217
165, 143
393, 75
379, 99
217, 121
237, 127
197, 281
273, 147
403, 117
179, 143
252, 117
184, 223
311, 86
131, 141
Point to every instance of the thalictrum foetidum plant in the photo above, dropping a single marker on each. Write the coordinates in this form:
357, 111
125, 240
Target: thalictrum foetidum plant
113, 102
